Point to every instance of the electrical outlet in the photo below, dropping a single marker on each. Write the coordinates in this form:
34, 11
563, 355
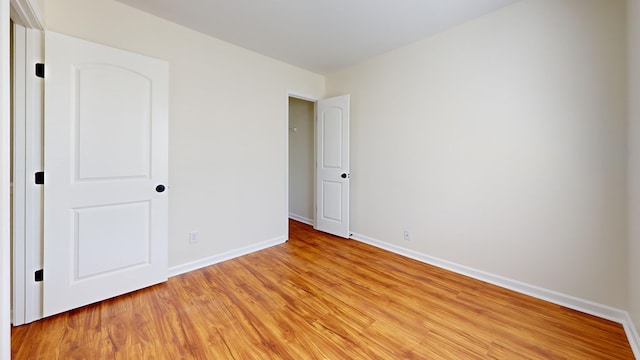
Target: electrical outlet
407, 236
193, 237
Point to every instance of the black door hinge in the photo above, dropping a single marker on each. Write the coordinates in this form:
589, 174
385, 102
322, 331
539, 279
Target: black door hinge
40, 178
40, 70
39, 275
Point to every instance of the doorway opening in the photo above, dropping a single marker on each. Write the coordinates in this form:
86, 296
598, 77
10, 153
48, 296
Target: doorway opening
301, 160
317, 182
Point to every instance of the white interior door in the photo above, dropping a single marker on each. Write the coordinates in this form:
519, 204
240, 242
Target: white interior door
332, 161
106, 141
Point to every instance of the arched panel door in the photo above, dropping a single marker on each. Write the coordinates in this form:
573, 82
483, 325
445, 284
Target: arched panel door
332, 171
105, 155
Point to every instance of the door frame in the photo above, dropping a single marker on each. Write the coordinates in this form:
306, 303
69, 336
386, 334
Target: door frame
314, 100
19, 11
27, 107
5, 166
27, 159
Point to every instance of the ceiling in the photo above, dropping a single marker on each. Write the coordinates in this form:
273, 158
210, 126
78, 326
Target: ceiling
319, 35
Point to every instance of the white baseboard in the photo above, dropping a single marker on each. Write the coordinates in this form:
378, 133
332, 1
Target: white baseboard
586, 306
199, 264
301, 219
632, 335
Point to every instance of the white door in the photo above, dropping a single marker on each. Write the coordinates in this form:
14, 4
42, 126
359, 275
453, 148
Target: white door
106, 150
332, 161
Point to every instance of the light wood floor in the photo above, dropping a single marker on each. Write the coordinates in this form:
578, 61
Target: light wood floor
321, 297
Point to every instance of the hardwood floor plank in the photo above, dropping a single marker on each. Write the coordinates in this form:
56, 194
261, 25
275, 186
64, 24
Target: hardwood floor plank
321, 297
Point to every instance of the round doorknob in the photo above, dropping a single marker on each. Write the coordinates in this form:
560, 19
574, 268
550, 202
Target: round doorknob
160, 188
344, 175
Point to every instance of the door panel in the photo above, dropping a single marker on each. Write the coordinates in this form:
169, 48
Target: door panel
332, 124
101, 231
331, 191
106, 126
332, 183
124, 115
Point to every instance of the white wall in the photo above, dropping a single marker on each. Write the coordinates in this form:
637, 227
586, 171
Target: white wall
633, 11
501, 146
228, 126
301, 159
